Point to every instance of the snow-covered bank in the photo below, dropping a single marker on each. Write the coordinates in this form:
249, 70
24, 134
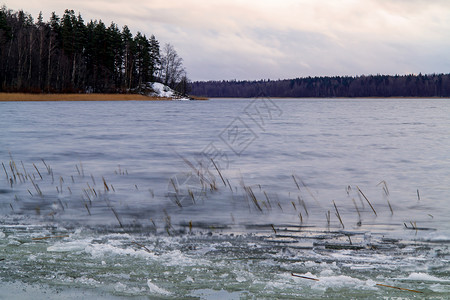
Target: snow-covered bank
156, 89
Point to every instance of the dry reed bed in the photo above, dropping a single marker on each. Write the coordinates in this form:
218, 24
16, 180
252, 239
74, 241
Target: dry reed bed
7, 97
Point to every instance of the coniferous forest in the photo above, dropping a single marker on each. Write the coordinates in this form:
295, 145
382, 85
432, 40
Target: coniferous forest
68, 55
434, 85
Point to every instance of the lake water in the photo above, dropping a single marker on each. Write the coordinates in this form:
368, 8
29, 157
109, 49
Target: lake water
225, 199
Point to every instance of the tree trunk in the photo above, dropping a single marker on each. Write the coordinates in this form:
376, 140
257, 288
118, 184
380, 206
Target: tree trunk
49, 72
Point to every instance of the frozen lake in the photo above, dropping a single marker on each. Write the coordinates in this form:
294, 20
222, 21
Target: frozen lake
225, 199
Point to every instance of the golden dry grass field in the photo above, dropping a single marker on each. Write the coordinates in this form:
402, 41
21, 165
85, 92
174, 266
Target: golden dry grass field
77, 97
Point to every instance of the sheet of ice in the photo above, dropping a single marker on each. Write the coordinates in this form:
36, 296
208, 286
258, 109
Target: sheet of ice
154, 289
419, 276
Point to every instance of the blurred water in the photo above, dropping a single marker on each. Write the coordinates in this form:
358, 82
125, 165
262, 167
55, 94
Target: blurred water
331, 147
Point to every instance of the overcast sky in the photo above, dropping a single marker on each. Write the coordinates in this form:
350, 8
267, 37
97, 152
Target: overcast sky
277, 39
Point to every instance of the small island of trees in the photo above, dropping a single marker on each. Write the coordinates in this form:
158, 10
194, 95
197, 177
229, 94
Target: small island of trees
67, 55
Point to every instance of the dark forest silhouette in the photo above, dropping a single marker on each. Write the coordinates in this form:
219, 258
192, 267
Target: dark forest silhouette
434, 85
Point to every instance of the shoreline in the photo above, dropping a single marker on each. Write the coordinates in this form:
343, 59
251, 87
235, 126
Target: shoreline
28, 97
369, 97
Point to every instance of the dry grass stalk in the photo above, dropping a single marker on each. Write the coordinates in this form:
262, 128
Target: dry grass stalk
268, 200
310, 193
293, 204
105, 185
357, 209
229, 185
293, 177
273, 228
385, 188
46, 166
87, 208
390, 207
386, 194
218, 171
302, 203
349, 239
192, 195
37, 170
82, 170
142, 246
49, 237
279, 205
370, 204
24, 171
117, 216
418, 195
253, 197
7, 177
304, 277
338, 215
36, 187
399, 288
202, 178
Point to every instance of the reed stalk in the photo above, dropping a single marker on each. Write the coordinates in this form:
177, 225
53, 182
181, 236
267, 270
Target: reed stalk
309, 191
370, 204
87, 208
268, 200
398, 288
385, 188
296, 183
105, 185
117, 216
24, 171
338, 215
47, 166
304, 277
302, 202
253, 197
142, 246
37, 170
6, 173
357, 209
293, 204
49, 237
218, 171
273, 228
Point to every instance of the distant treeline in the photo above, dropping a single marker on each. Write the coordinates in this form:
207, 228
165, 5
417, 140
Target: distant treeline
67, 55
434, 85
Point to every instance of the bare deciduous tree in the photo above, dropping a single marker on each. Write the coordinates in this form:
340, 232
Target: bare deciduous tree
172, 69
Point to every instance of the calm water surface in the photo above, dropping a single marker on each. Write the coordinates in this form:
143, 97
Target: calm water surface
353, 192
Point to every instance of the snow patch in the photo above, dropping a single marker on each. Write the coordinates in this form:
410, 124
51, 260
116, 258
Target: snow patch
156, 89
